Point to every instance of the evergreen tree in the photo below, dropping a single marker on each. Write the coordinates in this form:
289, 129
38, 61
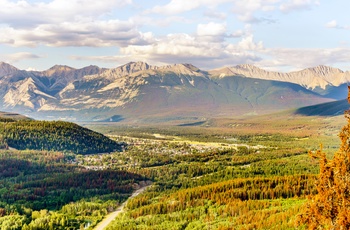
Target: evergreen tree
330, 208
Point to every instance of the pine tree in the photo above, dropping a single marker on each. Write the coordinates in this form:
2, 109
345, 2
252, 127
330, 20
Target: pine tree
330, 207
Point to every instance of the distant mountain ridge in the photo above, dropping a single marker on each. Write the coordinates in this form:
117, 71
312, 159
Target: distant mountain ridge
140, 90
319, 76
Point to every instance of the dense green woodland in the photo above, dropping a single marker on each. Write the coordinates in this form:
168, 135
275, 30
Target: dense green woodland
261, 184
41, 190
200, 181
53, 135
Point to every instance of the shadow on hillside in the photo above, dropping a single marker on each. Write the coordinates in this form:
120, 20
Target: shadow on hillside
115, 118
198, 123
334, 108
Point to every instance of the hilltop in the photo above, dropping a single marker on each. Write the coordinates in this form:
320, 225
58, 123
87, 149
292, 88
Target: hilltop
5, 116
53, 136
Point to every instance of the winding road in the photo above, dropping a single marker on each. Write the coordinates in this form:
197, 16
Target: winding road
110, 217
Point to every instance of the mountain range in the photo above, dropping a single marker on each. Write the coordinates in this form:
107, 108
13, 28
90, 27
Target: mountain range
137, 91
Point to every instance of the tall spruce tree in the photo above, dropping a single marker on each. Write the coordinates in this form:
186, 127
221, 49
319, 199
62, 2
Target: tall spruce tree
330, 207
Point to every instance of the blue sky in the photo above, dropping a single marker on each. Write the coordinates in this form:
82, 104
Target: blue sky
282, 35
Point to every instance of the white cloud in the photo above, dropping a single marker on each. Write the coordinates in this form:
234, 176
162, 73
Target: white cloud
214, 40
65, 23
211, 29
118, 59
215, 14
247, 43
16, 57
31, 69
293, 5
215, 32
23, 14
180, 6
164, 22
184, 48
180, 48
332, 24
304, 58
245, 10
71, 23
276, 59
79, 33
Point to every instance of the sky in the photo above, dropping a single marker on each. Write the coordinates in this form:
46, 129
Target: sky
278, 35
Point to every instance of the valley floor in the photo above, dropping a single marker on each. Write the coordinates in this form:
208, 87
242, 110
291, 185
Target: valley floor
226, 174
219, 177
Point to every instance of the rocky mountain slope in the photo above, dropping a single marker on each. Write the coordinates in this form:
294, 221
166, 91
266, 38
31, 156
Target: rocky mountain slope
6, 69
139, 90
321, 79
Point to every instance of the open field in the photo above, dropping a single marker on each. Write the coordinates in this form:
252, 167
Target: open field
312, 130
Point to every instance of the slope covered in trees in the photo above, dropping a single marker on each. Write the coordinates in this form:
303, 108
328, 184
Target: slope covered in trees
202, 179
330, 207
43, 190
235, 182
55, 136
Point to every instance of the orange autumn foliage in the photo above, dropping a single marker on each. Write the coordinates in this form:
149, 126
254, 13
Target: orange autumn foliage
330, 208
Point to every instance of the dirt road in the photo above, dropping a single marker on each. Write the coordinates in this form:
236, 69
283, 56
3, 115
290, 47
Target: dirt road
110, 217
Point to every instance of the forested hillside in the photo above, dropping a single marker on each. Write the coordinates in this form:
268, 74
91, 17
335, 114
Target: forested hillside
203, 178
55, 136
46, 190
216, 180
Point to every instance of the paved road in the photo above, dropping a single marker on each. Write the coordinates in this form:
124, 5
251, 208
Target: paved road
110, 217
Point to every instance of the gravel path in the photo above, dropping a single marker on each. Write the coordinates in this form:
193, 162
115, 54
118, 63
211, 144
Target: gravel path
110, 217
